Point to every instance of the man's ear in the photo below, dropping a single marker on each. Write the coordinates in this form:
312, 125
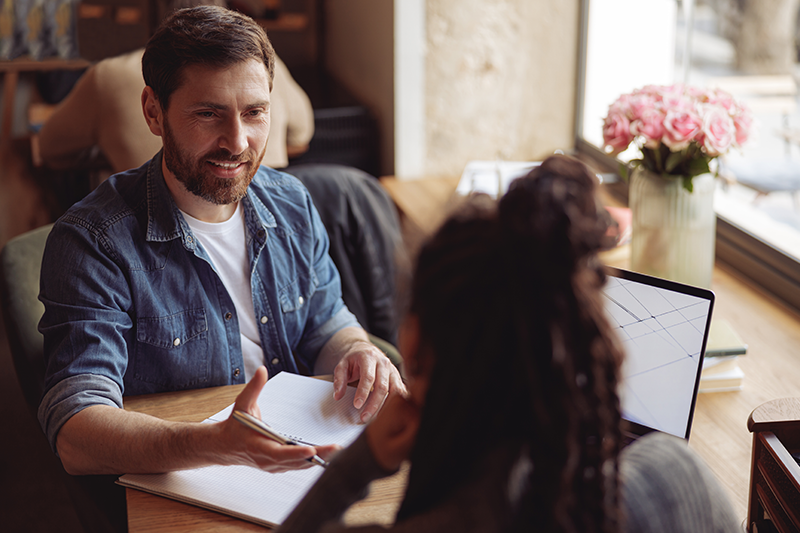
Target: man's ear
153, 113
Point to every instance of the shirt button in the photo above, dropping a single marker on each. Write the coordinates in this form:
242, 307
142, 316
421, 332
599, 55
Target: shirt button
261, 233
228, 315
264, 319
189, 239
236, 373
275, 361
176, 342
300, 300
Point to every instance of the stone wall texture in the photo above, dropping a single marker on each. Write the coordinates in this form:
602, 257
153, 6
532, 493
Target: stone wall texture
500, 80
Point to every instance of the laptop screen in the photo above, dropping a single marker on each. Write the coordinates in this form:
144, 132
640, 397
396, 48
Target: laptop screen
663, 327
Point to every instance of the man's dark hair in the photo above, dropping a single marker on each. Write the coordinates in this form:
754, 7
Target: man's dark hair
209, 36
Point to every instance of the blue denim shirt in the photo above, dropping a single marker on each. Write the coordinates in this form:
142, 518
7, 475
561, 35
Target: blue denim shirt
133, 304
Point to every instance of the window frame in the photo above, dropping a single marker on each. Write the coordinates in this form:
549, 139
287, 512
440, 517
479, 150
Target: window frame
761, 263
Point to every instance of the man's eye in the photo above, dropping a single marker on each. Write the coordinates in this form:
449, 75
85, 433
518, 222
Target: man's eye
255, 112
206, 114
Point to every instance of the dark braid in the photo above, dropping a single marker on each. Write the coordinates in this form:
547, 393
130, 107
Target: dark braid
508, 302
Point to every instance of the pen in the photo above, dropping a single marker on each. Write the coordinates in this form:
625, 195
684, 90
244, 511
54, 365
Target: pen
259, 426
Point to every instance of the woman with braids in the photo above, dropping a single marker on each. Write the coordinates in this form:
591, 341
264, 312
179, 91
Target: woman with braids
512, 422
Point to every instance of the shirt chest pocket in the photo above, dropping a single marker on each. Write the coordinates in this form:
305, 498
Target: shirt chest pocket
297, 295
172, 351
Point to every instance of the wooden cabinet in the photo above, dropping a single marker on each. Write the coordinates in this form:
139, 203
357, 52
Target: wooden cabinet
775, 475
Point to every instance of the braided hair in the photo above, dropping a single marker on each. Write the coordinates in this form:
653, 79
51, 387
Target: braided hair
508, 302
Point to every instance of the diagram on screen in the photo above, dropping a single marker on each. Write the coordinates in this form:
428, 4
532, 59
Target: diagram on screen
661, 332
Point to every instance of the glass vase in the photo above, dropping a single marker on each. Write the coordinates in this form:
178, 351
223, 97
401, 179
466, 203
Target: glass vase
673, 230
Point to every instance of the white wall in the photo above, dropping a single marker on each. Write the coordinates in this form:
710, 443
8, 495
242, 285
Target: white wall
500, 80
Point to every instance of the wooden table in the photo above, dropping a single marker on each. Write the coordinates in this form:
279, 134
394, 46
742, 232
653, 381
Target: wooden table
149, 513
772, 332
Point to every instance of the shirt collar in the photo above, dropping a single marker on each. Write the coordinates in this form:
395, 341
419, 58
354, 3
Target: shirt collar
164, 219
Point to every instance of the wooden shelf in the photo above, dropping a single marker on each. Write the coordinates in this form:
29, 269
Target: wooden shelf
26, 64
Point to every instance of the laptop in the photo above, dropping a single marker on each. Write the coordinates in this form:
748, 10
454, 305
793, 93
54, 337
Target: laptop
663, 329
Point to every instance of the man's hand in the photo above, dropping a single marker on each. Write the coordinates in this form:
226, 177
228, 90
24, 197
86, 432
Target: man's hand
393, 432
355, 358
250, 447
106, 440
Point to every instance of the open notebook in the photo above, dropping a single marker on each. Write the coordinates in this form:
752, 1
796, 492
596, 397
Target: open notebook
300, 407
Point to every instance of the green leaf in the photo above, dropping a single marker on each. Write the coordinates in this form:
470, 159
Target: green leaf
698, 166
673, 160
623, 171
687, 184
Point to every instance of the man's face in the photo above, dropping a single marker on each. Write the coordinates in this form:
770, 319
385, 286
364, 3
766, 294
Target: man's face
216, 128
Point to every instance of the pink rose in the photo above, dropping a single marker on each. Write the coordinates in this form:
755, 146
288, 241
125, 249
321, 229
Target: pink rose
621, 105
639, 104
724, 99
616, 132
681, 127
678, 102
719, 131
650, 126
743, 122
656, 92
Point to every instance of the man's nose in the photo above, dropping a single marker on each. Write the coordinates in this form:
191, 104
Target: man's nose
234, 136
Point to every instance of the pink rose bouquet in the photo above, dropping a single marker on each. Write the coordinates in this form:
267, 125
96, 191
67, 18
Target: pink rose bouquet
679, 129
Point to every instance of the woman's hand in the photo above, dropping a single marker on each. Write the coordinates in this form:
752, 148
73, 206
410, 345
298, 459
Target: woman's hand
393, 432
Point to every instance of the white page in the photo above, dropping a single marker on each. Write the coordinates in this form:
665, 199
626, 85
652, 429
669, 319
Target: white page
303, 408
492, 177
297, 406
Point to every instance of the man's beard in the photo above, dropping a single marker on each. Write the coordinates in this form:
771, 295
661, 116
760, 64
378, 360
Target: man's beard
199, 181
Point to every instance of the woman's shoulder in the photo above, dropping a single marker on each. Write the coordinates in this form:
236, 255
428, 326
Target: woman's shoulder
668, 487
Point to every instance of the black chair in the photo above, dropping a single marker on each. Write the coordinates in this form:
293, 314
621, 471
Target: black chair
366, 244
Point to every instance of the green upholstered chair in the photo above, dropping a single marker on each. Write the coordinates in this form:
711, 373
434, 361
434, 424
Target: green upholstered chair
20, 266
99, 503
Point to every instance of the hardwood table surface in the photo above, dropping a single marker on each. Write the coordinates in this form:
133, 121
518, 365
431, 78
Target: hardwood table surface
771, 331
149, 513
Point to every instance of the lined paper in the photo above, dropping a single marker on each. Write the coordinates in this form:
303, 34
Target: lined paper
300, 407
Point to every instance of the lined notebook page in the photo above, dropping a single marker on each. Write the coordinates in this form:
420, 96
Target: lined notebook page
299, 407
303, 408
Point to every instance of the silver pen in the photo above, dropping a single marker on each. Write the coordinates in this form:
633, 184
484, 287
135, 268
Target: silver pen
259, 426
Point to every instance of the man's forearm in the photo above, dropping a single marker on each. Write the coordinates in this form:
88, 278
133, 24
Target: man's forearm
107, 440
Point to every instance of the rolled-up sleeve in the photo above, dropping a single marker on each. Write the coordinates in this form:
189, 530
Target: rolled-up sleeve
84, 326
70, 396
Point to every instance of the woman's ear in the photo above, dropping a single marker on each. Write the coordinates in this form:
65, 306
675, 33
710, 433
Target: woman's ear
408, 343
416, 367
153, 113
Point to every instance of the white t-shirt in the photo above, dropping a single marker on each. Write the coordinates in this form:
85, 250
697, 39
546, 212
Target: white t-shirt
226, 246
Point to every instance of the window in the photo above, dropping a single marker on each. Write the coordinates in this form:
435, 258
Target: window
628, 44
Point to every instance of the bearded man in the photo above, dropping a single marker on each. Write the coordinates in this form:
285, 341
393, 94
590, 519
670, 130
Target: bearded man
200, 268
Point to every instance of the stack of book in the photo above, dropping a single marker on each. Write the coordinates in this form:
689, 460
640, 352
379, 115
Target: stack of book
721, 371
